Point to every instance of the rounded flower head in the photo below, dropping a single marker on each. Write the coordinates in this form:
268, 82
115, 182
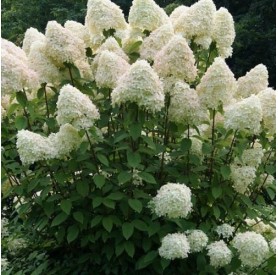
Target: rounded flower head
197, 240
12, 49
62, 45
266, 180
272, 245
177, 12
146, 15
141, 85
225, 230
251, 157
258, 226
174, 246
245, 114
196, 21
79, 30
155, 41
242, 177
172, 200
219, 253
75, 108
218, 85
185, 105
110, 68
252, 248
30, 36
267, 98
42, 64
104, 15
177, 59
253, 82
223, 32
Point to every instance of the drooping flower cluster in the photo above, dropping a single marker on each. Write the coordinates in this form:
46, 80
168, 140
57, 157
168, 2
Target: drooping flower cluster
172, 200
197, 240
75, 108
219, 254
141, 85
174, 246
252, 248
225, 230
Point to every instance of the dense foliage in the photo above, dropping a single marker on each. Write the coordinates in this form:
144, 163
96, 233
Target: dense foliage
131, 147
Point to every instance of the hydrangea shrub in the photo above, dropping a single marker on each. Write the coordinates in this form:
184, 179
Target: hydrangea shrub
131, 147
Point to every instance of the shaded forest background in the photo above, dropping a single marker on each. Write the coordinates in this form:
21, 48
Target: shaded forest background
255, 25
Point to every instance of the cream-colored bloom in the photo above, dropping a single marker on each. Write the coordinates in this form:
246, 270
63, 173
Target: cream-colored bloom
245, 114
176, 59
110, 68
219, 254
177, 12
155, 41
30, 36
75, 108
197, 240
217, 86
141, 85
104, 15
146, 15
253, 82
223, 32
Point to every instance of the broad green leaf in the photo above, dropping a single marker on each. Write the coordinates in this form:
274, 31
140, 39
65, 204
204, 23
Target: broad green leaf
60, 218
66, 206
129, 248
225, 172
82, 188
116, 196
185, 144
135, 205
73, 232
97, 202
216, 212
96, 220
21, 98
147, 177
135, 130
216, 191
99, 181
133, 159
128, 230
140, 225
107, 223
78, 216
103, 159
109, 203
21, 122
124, 177
146, 260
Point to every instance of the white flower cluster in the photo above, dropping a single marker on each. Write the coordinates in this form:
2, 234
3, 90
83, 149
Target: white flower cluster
177, 12
167, 157
245, 114
33, 147
75, 108
223, 32
196, 147
16, 244
217, 86
141, 85
191, 113
267, 98
174, 246
110, 68
219, 253
253, 82
197, 240
4, 227
272, 245
146, 15
252, 248
251, 157
176, 59
225, 230
4, 264
172, 200
242, 177
260, 227
104, 15
136, 179
266, 180
31, 35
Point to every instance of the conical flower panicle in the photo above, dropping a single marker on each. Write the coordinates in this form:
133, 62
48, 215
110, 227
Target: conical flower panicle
30, 36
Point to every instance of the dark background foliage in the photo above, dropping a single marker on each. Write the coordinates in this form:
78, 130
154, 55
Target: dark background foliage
255, 25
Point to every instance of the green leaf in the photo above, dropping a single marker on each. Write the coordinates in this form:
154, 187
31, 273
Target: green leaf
216, 191
107, 223
40, 93
99, 181
78, 216
206, 148
140, 225
66, 206
109, 203
129, 248
32, 185
271, 193
128, 230
21, 122
146, 260
135, 205
135, 130
97, 202
116, 196
186, 144
73, 232
96, 220
133, 159
270, 169
225, 172
60, 218
21, 99
124, 177
134, 47
103, 159
147, 177
216, 212
82, 188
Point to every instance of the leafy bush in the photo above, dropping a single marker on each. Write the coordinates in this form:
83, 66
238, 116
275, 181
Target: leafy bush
132, 147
